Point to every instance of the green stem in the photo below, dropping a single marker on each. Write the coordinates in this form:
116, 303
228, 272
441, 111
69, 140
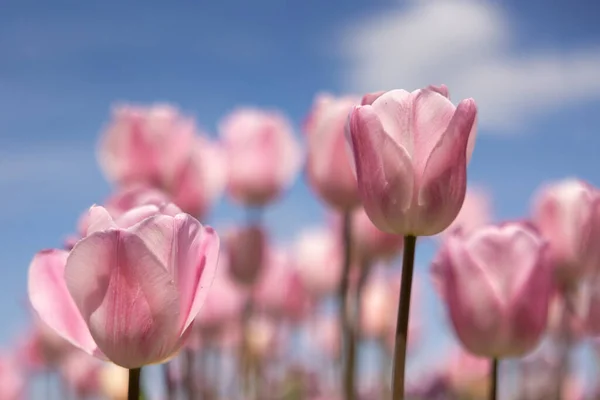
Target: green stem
133, 391
401, 341
348, 335
494, 379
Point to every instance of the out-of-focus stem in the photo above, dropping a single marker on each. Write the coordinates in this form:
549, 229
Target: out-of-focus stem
494, 379
348, 335
190, 383
169, 384
133, 390
408, 263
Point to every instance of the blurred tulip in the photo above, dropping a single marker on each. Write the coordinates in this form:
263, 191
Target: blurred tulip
378, 304
369, 242
317, 257
568, 214
128, 293
561, 318
12, 379
43, 348
81, 372
475, 212
468, 375
201, 180
329, 169
128, 198
497, 289
145, 144
326, 333
411, 151
262, 338
224, 305
586, 304
114, 381
263, 155
246, 247
280, 291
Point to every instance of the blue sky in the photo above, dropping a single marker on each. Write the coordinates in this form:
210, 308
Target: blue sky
531, 66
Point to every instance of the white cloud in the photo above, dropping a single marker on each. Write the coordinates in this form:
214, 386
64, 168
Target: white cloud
467, 45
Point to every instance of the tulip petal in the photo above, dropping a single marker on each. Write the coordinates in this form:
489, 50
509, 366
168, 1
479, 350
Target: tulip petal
443, 184
195, 273
51, 300
432, 114
395, 110
136, 215
384, 171
474, 307
190, 253
99, 219
126, 296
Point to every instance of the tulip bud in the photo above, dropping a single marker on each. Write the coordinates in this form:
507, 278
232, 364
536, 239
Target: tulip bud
567, 214
411, 152
246, 248
497, 289
263, 155
329, 169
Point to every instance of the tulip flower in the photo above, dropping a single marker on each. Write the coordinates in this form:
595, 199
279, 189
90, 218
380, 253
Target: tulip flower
474, 213
567, 214
262, 153
317, 257
145, 144
130, 290
280, 290
328, 167
369, 242
127, 198
12, 378
246, 248
497, 289
411, 151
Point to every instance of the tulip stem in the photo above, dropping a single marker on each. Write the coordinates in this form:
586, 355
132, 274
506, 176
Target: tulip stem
348, 334
169, 384
494, 379
408, 263
133, 392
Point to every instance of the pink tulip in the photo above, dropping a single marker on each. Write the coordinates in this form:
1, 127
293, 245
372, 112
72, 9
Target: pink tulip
12, 378
474, 213
326, 333
378, 305
145, 144
130, 290
263, 155
586, 304
562, 321
82, 373
370, 243
317, 257
225, 305
246, 247
43, 348
468, 375
128, 198
497, 289
567, 214
199, 183
328, 167
280, 291
411, 151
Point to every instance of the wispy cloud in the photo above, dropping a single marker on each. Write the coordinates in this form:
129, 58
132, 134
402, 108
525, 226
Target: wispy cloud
469, 45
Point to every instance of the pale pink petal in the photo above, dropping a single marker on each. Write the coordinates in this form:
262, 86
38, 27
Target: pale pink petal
475, 314
52, 302
384, 171
432, 114
395, 111
441, 89
126, 296
136, 215
198, 253
98, 220
369, 98
443, 184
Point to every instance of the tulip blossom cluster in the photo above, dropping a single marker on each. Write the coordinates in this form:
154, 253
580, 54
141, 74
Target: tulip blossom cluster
333, 310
